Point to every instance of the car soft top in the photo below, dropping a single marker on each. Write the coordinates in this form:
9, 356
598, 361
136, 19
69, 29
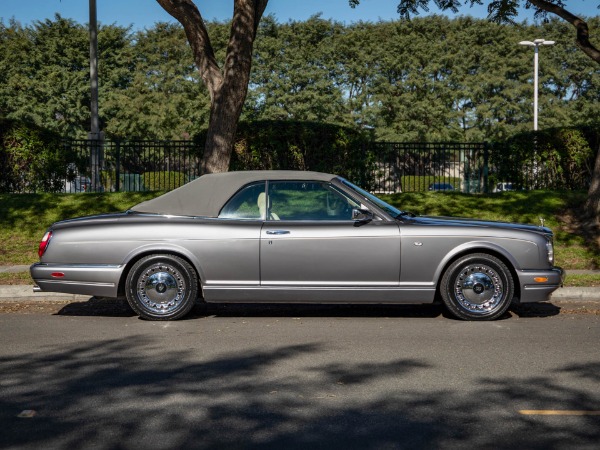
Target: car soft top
206, 196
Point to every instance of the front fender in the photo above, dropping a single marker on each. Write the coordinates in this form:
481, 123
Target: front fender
424, 258
474, 247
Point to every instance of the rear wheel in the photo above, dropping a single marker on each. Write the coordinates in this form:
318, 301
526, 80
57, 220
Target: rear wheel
161, 287
477, 287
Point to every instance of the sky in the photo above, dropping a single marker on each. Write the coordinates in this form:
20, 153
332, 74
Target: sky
142, 14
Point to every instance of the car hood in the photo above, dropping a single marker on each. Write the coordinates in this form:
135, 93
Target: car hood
461, 222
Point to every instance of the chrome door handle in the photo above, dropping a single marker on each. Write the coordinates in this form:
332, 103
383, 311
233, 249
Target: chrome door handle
278, 232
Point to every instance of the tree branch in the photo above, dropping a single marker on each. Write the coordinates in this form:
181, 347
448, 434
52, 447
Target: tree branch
188, 15
238, 60
583, 33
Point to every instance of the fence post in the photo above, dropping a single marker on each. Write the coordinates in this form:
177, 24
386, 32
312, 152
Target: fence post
118, 165
486, 157
363, 173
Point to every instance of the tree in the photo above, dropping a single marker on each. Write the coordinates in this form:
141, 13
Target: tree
44, 67
44, 72
292, 79
506, 11
227, 86
163, 96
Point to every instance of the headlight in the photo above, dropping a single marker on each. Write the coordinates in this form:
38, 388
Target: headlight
550, 250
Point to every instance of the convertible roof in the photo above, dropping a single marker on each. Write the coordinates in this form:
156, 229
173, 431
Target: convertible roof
206, 195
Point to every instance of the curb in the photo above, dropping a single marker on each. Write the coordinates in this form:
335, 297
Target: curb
588, 294
25, 293
18, 293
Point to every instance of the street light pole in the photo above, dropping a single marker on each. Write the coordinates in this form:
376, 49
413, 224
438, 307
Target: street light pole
535, 44
95, 136
95, 122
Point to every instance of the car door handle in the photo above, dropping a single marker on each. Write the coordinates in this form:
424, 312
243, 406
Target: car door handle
278, 232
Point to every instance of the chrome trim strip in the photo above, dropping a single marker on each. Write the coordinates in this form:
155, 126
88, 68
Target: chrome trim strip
329, 285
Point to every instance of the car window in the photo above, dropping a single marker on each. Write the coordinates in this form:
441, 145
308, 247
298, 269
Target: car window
308, 200
391, 210
245, 204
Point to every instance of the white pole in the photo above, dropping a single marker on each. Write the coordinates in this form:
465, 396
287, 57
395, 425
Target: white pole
535, 44
535, 89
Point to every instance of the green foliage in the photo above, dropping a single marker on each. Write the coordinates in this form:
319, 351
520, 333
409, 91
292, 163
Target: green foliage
46, 74
266, 145
31, 159
163, 181
559, 158
428, 79
162, 96
417, 80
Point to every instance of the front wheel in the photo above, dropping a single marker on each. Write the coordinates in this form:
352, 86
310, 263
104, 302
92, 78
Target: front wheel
161, 287
477, 287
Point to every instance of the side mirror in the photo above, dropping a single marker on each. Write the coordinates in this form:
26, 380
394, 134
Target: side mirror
361, 215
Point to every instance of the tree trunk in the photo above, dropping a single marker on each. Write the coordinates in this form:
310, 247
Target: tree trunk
224, 115
227, 86
592, 204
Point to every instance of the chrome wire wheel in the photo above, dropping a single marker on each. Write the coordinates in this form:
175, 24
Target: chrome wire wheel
477, 287
161, 287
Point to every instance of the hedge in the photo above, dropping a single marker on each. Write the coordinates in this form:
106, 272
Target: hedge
32, 159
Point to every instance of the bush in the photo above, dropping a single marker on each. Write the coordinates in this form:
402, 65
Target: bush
558, 158
163, 181
322, 147
31, 159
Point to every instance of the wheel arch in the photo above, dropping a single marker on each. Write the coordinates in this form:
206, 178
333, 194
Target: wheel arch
142, 252
492, 250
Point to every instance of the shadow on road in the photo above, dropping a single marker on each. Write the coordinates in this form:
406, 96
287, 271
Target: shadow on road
140, 393
120, 308
535, 310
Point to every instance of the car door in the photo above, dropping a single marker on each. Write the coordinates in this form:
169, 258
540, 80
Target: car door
309, 239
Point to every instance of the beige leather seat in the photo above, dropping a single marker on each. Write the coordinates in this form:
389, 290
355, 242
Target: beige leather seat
262, 207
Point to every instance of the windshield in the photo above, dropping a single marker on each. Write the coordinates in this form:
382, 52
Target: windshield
392, 211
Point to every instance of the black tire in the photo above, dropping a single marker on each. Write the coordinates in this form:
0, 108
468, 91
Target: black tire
477, 287
161, 287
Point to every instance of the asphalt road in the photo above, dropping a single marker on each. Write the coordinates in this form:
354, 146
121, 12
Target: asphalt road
94, 376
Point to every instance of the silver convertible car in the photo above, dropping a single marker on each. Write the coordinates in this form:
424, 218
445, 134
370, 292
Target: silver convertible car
292, 236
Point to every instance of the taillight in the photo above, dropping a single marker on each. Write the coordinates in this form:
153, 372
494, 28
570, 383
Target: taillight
44, 243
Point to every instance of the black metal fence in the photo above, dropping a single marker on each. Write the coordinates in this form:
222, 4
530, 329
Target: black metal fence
404, 167
112, 166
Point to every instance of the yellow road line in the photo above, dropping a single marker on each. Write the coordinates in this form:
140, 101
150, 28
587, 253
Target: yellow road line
557, 412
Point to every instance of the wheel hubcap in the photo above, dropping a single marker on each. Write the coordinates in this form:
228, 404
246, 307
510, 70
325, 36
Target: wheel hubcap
161, 288
479, 288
